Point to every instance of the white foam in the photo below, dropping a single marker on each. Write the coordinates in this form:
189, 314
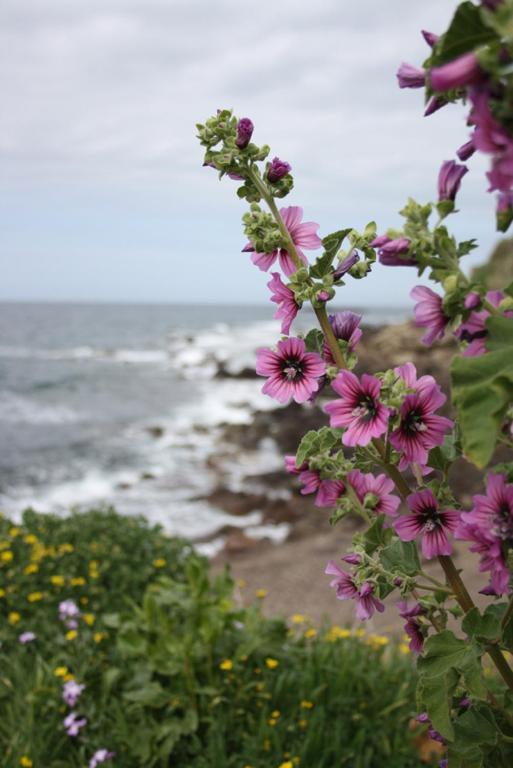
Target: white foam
16, 409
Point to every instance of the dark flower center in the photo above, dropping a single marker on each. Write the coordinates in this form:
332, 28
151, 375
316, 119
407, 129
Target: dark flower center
468, 336
412, 423
430, 519
366, 408
503, 522
293, 369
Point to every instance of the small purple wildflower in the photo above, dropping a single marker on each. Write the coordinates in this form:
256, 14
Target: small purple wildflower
26, 637
100, 756
71, 692
409, 76
73, 723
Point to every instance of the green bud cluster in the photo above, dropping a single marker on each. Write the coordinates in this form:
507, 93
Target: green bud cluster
262, 230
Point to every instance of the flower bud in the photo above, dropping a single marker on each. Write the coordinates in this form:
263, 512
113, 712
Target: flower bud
504, 211
409, 76
429, 37
345, 265
433, 105
322, 296
390, 253
244, 132
459, 72
466, 150
472, 300
277, 170
449, 179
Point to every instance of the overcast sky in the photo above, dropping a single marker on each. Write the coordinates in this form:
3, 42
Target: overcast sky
102, 192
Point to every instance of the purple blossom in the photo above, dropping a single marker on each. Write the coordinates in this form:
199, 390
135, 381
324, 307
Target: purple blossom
287, 304
409, 76
466, 150
346, 589
426, 520
413, 627
352, 558
473, 330
430, 37
424, 718
329, 493
345, 265
26, 637
71, 692
244, 132
68, 609
290, 465
449, 179
420, 429
293, 373
472, 300
375, 492
345, 326
390, 254
360, 409
277, 170
303, 235
458, 73
100, 756
429, 313
380, 240
311, 481
73, 723
489, 525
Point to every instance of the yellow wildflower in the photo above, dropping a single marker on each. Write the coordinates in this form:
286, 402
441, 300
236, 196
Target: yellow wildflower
303, 723
2, 592
266, 745
84, 600
30, 538
35, 597
160, 562
66, 549
405, 649
13, 532
287, 764
271, 663
337, 633
14, 617
226, 665
360, 633
26, 762
275, 713
305, 704
72, 634
89, 619
272, 721
77, 581
298, 618
98, 637
60, 671
310, 633
6, 556
57, 581
31, 568
68, 677
261, 593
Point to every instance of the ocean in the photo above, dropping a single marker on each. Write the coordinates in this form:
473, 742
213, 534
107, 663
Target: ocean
123, 404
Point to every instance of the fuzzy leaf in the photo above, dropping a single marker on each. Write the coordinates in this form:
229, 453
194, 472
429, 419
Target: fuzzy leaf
401, 556
333, 241
434, 696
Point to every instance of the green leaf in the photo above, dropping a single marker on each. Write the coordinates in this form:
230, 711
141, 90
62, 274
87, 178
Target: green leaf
401, 556
442, 653
314, 340
486, 627
466, 32
483, 390
434, 695
376, 536
333, 241
150, 695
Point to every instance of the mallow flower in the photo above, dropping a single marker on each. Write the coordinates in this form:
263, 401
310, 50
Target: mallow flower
292, 372
425, 519
359, 409
303, 234
282, 295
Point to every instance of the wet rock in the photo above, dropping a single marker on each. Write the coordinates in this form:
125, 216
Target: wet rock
155, 431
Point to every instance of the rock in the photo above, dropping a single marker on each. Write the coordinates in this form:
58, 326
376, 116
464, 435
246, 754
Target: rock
238, 542
155, 431
147, 476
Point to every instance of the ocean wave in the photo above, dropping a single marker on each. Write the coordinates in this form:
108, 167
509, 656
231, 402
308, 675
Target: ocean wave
16, 409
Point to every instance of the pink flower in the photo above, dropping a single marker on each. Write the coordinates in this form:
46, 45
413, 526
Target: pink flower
412, 627
329, 492
429, 313
303, 234
26, 637
428, 521
394, 253
290, 465
429, 37
420, 429
359, 409
473, 330
71, 692
73, 724
284, 297
459, 72
345, 326
292, 371
466, 150
490, 526
311, 481
68, 609
346, 589
375, 492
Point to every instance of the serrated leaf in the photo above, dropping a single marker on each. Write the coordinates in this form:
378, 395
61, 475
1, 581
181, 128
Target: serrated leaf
434, 695
376, 536
442, 653
466, 32
314, 340
486, 627
401, 556
333, 241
